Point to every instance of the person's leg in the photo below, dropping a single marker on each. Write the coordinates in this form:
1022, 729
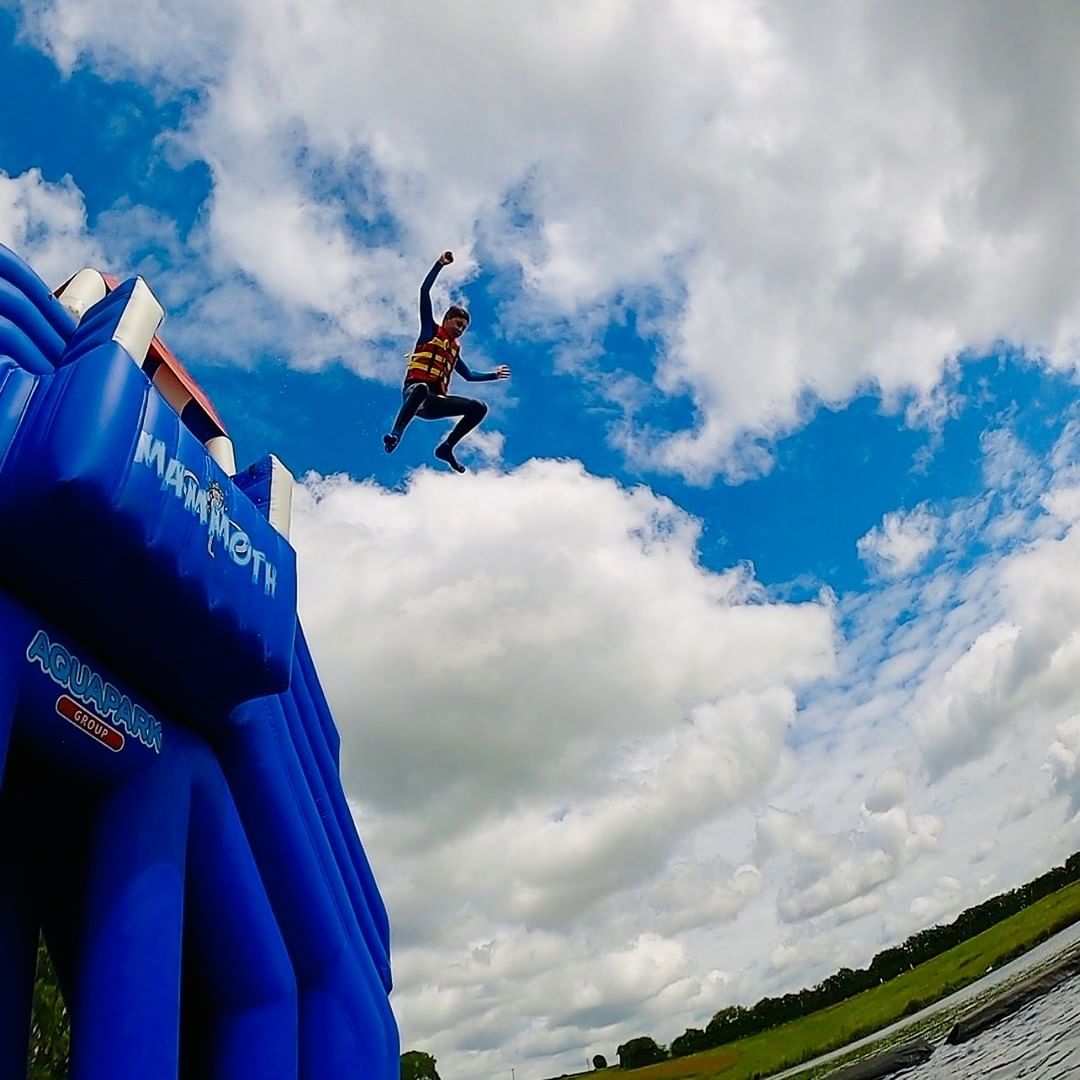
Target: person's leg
415, 395
443, 406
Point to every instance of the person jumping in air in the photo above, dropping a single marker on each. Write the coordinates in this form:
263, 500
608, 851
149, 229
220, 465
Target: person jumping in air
432, 362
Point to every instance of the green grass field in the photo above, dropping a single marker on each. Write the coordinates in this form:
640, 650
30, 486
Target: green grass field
806, 1038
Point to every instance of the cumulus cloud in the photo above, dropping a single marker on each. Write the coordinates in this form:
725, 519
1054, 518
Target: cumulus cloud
859, 908
700, 894
557, 633
972, 701
835, 872
542, 696
888, 791
970, 651
1063, 763
901, 543
45, 223
901, 836
1022, 806
944, 903
1017, 662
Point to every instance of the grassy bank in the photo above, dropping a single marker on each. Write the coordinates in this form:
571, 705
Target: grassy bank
806, 1038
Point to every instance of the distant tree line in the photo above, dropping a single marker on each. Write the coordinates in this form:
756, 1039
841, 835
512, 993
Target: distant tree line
738, 1021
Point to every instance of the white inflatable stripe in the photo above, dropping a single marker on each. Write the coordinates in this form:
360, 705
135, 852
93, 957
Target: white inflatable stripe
83, 291
220, 448
281, 489
139, 323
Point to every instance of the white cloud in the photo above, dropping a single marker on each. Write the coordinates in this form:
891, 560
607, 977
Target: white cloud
1022, 806
972, 701
691, 895
888, 791
1063, 763
45, 223
535, 664
901, 543
568, 635
799, 953
943, 904
901, 836
859, 908
832, 872
485, 447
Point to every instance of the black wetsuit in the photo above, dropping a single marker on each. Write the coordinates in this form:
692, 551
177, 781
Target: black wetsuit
424, 400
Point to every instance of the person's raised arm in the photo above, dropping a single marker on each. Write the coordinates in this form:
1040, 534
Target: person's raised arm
428, 325
501, 372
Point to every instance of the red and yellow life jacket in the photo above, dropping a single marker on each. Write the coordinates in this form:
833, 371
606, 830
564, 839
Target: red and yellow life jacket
433, 363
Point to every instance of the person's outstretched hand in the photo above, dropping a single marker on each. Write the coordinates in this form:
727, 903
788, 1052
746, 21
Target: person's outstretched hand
502, 372
446, 257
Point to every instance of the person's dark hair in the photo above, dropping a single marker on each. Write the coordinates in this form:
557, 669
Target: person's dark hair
455, 312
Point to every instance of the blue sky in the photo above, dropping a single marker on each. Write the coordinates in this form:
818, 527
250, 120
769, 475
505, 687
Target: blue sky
765, 548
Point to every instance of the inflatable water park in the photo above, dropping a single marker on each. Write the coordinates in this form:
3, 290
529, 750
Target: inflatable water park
172, 817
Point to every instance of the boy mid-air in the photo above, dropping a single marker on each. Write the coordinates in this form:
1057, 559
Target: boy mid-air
432, 363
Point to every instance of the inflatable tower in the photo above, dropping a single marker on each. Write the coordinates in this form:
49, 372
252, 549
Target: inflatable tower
171, 812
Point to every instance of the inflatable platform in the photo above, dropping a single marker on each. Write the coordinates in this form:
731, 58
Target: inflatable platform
171, 812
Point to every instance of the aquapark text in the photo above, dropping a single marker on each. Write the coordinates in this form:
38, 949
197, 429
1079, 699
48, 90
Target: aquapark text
211, 513
87, 686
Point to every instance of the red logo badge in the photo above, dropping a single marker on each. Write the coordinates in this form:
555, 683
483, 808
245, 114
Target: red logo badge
96, 728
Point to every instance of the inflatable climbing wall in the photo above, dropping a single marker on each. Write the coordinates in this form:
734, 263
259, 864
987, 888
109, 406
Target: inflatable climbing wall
171, 812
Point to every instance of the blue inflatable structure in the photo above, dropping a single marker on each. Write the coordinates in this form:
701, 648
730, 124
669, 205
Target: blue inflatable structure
171, 812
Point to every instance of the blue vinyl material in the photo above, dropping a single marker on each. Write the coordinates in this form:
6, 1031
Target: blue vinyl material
171, 809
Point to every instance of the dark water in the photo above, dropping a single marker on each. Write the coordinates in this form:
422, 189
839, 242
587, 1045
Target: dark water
1040, 1042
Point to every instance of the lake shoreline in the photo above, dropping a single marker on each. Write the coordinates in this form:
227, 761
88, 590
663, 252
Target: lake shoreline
923, 1001
938, 1019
